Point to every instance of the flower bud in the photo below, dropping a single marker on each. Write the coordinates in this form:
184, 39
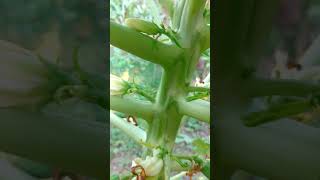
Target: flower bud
117, 85
23, 78
151, 165
142, 26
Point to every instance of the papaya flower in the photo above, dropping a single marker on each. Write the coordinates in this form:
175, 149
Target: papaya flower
117, 85
152, 165
23, 78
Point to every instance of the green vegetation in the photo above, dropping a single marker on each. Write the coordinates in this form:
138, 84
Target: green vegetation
163, 65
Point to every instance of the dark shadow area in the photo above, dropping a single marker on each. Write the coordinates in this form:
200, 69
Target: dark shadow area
53, 89
266, 90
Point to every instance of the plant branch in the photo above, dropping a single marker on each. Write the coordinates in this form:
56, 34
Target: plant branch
132, 131
198, 109
290, 148
205, 38
142, 45
268, 87
58, 142
198, 89
132, 107
276, 112
179, 176
191, 18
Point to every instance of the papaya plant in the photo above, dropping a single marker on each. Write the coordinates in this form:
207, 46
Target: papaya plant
177, 48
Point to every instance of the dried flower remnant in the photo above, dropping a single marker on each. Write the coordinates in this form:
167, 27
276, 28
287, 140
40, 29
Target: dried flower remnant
151, 165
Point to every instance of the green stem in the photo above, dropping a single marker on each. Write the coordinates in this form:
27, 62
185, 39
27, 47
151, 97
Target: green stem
198, 89
197, 96
266, 87
179, 176
191, 20
33, 135
178, 14
147, 96
276, 112
205, 38
179, 65
195, 109
132, 107
127, 39
132, 131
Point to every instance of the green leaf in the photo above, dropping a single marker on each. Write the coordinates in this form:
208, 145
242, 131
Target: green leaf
206, 169
115, 177
201, 147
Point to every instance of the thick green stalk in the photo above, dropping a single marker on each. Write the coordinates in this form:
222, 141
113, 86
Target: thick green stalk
197, 89
289, 149
132, 107
191, 21
276, 112
282, 87
177, 14
195, 109
132, 131
179, 176
178, 68
55, 141
142, 45
167, 120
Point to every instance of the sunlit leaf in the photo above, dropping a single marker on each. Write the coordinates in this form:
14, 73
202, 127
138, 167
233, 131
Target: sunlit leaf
201, 147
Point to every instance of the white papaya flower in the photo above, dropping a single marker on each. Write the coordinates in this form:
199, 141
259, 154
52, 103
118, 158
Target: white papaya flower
117, 85
23, 78
152, 165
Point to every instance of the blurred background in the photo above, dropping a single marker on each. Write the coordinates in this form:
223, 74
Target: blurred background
53, 28
295, 29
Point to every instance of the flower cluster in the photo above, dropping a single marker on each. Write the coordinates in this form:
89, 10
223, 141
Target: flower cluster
117, 85
151, 165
